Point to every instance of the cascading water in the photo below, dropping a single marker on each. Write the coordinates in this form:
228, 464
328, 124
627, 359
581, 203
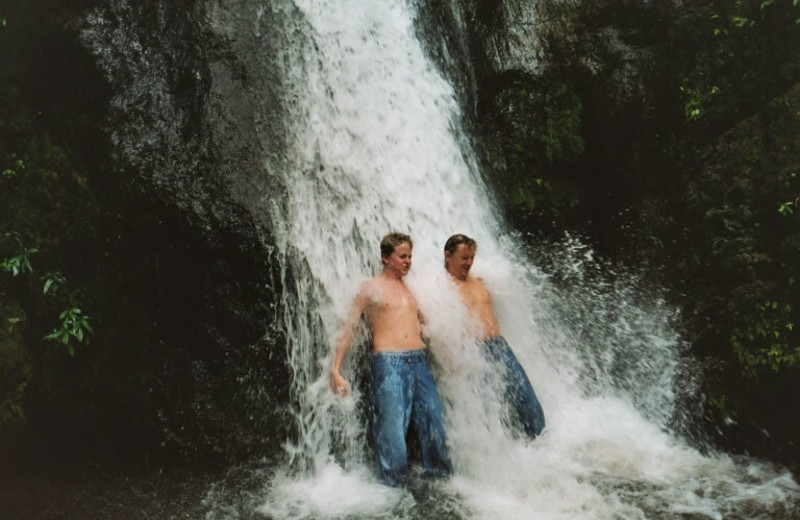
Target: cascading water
371, 143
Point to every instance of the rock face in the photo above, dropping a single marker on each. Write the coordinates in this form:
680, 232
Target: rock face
192, 114
171, 255
551, 81
184, 115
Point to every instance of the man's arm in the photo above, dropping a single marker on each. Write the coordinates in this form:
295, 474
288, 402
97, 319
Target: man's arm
339, 384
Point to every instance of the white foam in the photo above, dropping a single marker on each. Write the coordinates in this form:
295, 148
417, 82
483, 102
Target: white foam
330, 493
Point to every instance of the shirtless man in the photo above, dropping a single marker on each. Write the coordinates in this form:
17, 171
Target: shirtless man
402, 386
523, 406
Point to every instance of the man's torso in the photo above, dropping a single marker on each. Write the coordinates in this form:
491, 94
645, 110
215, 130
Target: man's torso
479, 304
393, 316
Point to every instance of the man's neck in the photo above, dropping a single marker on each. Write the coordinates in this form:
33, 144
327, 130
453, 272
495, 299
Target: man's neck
391, 275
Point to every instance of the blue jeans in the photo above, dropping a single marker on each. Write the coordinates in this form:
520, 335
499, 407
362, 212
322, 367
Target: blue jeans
523, 407
403, 389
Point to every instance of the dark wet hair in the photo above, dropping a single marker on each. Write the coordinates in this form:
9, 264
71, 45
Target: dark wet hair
391, 241
456, 240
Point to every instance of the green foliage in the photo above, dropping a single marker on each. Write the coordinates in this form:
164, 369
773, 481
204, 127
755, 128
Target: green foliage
562, 137
786, 208
749, 244
736, 64
48, 216
736, 42
51, 282
74, 326
537, 138
765, 339
17, 167
36, 188
696, 100
21, 262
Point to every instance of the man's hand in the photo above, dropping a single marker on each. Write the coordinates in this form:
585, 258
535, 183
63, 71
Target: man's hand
339, 385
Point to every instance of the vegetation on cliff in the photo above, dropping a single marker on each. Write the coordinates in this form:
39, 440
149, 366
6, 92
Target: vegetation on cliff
675, 148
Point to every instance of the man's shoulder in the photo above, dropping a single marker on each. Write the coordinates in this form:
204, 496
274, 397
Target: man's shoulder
476, 281
371, 283
478, 288
371, 288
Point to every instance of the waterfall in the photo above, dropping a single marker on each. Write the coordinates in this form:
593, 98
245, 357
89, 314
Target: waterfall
375, 145
371, 141
375, 149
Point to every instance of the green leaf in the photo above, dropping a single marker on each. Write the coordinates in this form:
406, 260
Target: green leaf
786, 208
740, 21
73, 325
52, 281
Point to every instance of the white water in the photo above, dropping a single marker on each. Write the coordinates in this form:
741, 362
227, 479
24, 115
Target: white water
376, 147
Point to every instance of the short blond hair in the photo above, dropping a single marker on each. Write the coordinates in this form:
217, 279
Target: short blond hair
391, 241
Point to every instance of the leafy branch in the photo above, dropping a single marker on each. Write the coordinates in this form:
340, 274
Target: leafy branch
74, 325
21, 262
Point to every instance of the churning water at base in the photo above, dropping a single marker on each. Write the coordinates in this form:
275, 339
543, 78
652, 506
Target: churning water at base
375, 146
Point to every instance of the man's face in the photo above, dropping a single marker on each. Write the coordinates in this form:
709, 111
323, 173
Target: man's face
460, 262
399, 262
